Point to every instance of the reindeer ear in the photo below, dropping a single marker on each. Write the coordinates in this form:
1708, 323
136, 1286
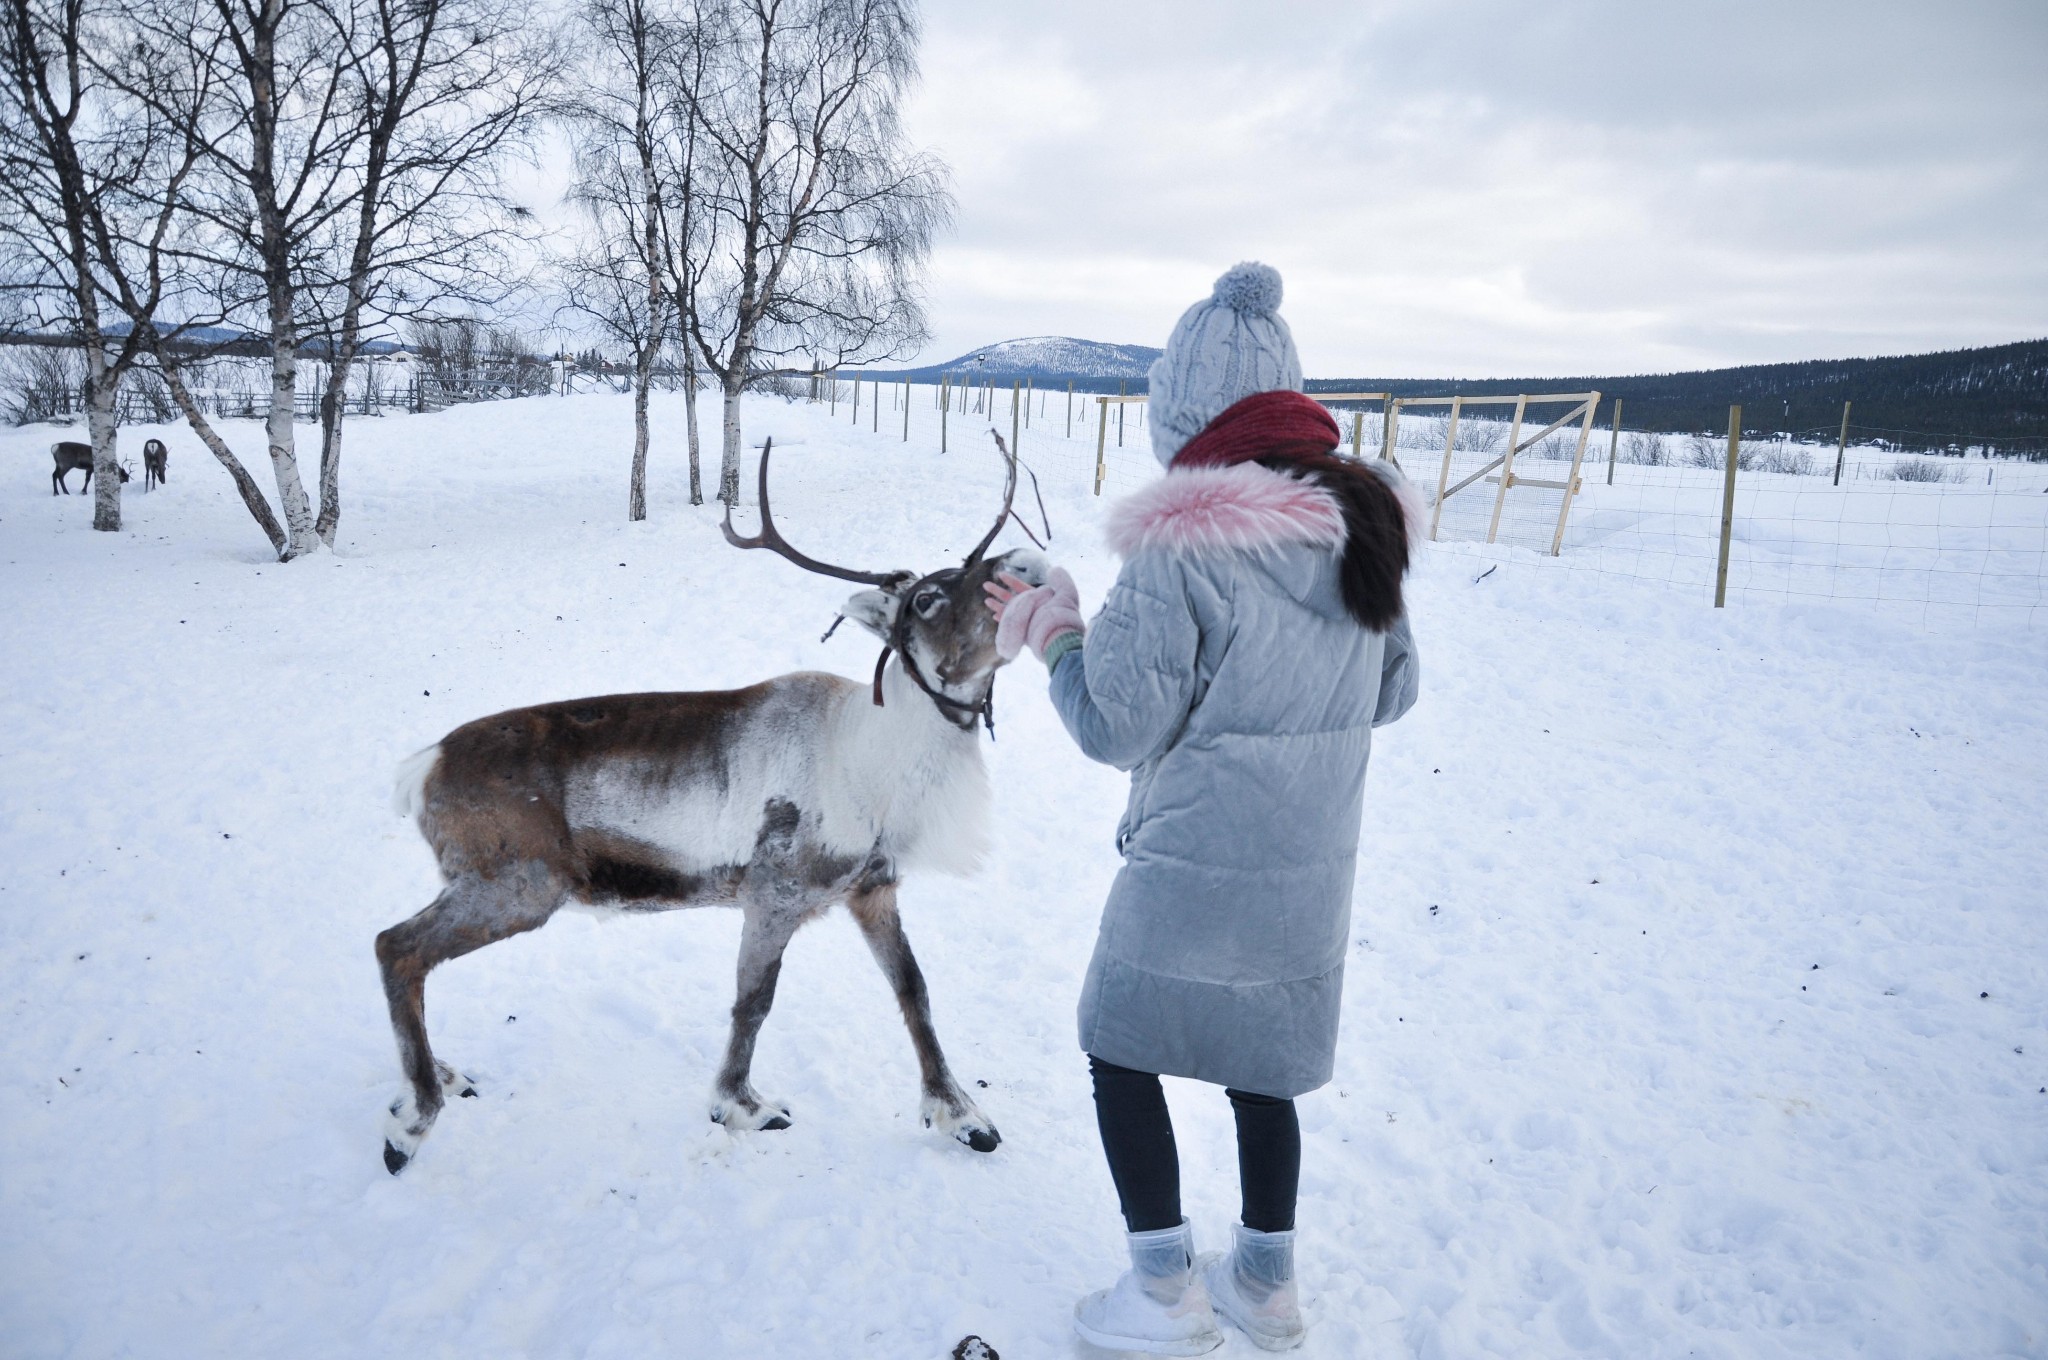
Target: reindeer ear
874, 610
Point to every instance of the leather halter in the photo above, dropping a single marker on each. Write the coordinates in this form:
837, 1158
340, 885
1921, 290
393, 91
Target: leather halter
961, 715
948, 705
898, 643
953, 709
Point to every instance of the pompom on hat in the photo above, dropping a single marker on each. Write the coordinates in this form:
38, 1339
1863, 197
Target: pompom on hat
1223, 349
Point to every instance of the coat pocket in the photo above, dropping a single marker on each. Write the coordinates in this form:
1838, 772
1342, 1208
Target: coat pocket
1135, 807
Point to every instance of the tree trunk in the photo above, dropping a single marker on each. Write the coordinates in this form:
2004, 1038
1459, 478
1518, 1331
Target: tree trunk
102, 387
643, 378
331, 403
259, 63
690, 386
729, 458
252, 494
284, 457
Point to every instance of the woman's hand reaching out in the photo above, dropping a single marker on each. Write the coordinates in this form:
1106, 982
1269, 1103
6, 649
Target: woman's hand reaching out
1033, 617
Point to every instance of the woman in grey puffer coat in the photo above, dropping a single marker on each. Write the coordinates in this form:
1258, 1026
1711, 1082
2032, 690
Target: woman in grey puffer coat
1253, 640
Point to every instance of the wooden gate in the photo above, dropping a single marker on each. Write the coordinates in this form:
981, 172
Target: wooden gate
1501, 471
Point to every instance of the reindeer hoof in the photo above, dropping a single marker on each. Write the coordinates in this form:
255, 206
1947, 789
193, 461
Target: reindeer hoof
404, 1132
963, 1121
744, 1114
461, 1083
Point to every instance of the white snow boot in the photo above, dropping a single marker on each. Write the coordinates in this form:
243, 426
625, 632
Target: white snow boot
1158, 1306
1253, 1287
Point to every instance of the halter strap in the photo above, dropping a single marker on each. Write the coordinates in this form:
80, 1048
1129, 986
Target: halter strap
953, 709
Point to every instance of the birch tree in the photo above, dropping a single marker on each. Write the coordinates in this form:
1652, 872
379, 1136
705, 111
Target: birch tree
349, 154
624, 131
438, 95
276, 142
819, 215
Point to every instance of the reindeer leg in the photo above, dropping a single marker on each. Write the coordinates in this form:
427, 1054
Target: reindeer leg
735, 1103
469, 914
946, 1106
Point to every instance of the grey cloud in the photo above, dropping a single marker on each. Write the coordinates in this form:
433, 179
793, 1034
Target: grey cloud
1492, 188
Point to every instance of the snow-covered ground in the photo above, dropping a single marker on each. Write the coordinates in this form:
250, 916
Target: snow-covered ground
1697, 1007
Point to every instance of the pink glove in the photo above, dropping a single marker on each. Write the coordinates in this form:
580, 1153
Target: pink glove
1033, 617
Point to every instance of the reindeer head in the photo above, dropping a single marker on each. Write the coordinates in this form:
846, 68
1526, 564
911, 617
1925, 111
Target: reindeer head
936, 622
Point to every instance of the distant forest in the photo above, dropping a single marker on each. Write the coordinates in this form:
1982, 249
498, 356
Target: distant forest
1994, 398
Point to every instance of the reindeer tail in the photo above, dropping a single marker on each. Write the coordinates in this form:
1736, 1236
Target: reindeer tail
409, 791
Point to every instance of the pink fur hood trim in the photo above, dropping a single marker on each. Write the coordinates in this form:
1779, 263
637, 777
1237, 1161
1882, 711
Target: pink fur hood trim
1227, 508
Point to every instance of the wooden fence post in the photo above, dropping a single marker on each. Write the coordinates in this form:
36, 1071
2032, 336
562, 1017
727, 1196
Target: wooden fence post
1357, 432
945, 404
1571, 483
1027, 403
1614, 443
1101, 438
1016, 391
1389, 413
1122, 391
1728, 504
1507, 469
1443, 479
1842, 449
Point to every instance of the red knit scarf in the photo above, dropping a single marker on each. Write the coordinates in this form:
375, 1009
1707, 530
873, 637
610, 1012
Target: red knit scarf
1263, 425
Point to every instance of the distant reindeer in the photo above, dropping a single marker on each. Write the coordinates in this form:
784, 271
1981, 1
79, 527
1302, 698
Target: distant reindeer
155, 457
69, 456
781, 799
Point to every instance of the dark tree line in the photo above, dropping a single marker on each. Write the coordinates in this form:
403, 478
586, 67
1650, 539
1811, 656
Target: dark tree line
1995, 397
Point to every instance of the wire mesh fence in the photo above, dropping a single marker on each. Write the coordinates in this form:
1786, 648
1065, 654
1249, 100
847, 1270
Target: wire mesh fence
1943, 541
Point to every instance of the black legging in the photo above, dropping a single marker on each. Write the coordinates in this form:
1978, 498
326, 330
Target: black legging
1137, 1137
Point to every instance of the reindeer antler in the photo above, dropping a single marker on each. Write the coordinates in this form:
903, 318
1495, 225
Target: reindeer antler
1009, 495
771, 538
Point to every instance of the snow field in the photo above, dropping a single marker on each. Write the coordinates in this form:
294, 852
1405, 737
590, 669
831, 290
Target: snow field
1623, 1118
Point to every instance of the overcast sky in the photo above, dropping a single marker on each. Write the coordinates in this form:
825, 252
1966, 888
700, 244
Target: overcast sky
1498, 188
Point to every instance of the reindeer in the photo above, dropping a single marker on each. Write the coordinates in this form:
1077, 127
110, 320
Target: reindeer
781, 799
69, 455
155, 457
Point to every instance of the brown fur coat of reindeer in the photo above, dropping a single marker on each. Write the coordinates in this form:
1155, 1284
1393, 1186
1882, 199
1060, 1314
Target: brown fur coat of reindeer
69, 456
781, 799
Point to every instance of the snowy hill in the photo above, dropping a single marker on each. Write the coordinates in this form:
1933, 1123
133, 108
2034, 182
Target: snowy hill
1092, 364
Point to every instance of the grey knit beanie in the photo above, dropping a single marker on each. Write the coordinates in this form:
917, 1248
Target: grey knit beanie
1224, 348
